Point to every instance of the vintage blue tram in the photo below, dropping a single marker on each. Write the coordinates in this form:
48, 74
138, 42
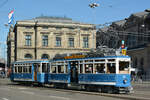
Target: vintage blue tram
107, 74
30, 71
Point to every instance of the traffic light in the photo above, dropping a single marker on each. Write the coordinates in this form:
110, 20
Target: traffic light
122, 44
123, 48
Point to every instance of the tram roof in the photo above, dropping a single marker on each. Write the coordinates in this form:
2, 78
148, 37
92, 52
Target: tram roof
88, 58
105, 57
33, 61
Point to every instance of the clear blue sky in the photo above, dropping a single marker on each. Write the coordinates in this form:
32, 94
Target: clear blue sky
78, 10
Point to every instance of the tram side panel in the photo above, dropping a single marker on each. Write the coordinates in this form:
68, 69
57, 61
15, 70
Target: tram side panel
59, 72
22, 77
123, 80
97, 79
30, 71
20, 74
58, 78
117, 80
110, 72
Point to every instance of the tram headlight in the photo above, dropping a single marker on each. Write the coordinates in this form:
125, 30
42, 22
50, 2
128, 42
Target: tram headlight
124, 81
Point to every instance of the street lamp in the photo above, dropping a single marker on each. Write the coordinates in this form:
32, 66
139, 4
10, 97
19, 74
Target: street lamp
93, 5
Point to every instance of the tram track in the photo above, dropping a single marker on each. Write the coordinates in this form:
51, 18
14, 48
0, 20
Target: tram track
121, 96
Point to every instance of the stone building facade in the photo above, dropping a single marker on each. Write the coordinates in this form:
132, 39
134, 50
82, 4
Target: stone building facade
135, 31
137, 28
44, 37
141, 60
10, 46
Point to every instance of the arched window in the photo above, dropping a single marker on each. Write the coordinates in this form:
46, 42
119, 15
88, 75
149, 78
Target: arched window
45, 56
28, 56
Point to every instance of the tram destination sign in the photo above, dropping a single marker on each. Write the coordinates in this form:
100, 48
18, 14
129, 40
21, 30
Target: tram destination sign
74, 56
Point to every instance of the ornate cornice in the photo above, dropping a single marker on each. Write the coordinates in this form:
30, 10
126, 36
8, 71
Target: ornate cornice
59, 48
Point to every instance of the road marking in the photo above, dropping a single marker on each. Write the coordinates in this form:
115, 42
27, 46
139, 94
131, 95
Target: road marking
28, 92
56, 97
5, 99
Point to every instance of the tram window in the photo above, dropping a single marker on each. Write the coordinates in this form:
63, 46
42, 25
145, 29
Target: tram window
53, 69
123, 67
60, 69
111, 68
44, 67
24, 69
88, 68
30, 69
39, 68
81, 68
19, 69
15, 69
100, 68
66, 68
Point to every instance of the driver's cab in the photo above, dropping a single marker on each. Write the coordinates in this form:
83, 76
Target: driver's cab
124, 66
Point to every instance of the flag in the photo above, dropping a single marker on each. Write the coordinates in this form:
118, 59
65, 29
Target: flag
11, 17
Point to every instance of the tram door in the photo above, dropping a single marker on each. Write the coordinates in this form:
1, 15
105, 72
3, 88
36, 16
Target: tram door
74, 71
35, 71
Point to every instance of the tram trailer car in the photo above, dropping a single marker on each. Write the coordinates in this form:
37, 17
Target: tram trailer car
106, 74
30, 71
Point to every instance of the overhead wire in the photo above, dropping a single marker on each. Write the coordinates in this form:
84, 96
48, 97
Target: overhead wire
143, 34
